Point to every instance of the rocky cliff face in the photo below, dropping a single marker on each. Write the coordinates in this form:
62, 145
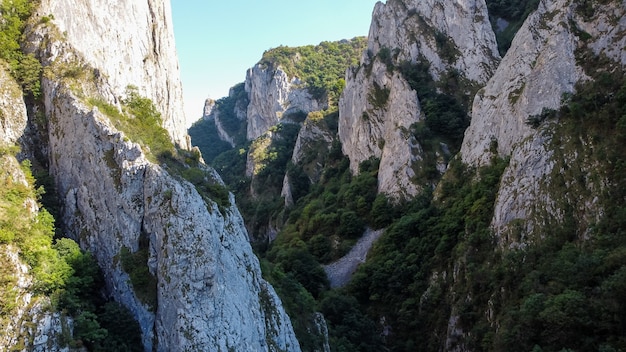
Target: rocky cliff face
538, 73
378, 106
115, 199
204, 288
227, 110
274, 95
24, 314
130, 43
13, 118
314, 141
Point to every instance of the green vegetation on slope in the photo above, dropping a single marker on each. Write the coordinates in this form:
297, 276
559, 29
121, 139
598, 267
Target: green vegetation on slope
445, 104
60, 270
143, 281
140, 121
438, 258
562, 291
320, 67
25, 68
271, 153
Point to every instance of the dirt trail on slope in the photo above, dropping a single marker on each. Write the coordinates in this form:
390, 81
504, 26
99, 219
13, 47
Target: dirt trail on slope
340, 272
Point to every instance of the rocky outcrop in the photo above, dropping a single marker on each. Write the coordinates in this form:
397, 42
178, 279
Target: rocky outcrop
13, 118
449, 35
129, 43
209, 104
26, 319
378, 106
273, 95
372, 128
31, 323
529, 79
204, 288
221, 131
114, 198
229, 111
312, 146
314, 140
538, 71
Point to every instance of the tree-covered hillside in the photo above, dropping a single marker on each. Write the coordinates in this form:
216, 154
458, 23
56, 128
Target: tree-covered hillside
320, 67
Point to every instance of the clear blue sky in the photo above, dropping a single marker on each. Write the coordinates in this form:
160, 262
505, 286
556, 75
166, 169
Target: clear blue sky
218, 40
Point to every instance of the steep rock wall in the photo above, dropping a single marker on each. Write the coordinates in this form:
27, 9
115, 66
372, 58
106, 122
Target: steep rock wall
314, 141
26, 318
13, 118
273, 94
115, 198
228, 112
130, 43
539, 70
208, 293
30, 322
419, 28
316, 137
378, 106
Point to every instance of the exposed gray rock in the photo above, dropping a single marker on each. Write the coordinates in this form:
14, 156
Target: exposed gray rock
130, 43
51, 330
13, 118
221, 132
311, 132
209, 104
273, 94
322, 330
27, 321
538, 70
286, 192
408, 28
210, 292
450, 36
213, 111
314, 138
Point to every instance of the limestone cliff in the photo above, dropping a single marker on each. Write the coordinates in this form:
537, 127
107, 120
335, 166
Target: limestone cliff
13, 118
315, 138
201, 288
228, 115
556, 182
378, 106
115, 199
540, 70
25, 319
520, 247
273, 95
209, 104
129, 43
313, 143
